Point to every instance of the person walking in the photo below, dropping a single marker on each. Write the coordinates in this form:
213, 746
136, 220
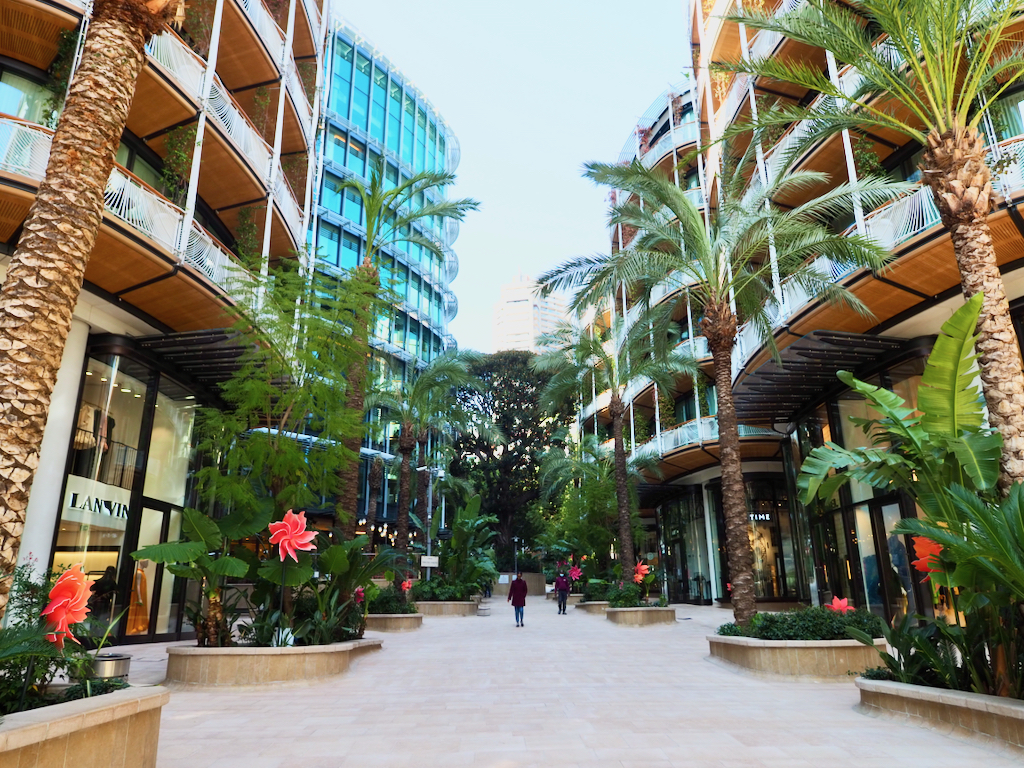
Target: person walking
517, 596
562, 587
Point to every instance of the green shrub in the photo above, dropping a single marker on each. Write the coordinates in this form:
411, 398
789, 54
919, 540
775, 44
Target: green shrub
93, 688
806, 624
388, 600
595, 590
439, 590
877, 673
625, 595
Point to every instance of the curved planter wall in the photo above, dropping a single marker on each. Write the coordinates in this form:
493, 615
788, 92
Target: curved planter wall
640, 617
595, 606
993, 720
818, 659
246, 665
447, 608
116, 729
394, 622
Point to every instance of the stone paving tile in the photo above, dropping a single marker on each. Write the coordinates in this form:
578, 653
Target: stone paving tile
570, 691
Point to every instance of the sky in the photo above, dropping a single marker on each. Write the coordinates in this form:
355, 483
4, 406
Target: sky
533, 90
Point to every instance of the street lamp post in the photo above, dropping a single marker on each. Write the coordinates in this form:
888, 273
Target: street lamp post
515, 555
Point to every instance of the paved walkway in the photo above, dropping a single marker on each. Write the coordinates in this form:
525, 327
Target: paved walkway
562, 691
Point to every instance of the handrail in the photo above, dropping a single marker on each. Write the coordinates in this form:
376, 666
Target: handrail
170, 51
299, 99
225, 110
289, 208
268, 30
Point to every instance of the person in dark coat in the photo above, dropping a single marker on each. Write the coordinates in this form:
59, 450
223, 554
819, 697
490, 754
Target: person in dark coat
517, 596
562, 588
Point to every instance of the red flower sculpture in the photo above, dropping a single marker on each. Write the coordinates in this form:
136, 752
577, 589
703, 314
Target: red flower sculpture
640, 571
406, 585
68, 605
840, 606
927, 552
291, 535
575, 573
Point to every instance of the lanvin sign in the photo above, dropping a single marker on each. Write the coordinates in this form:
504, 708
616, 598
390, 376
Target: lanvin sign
98, 506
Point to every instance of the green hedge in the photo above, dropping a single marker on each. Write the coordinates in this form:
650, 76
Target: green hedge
623, 595
806, 624
389, 600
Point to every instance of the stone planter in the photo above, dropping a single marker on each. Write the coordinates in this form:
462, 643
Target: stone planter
446, 607
394, 622
813, 659
640, 617
246, 665
992, 721
594, 606
116, 729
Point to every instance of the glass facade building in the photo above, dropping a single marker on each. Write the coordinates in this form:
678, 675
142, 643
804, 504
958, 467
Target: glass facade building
374, 114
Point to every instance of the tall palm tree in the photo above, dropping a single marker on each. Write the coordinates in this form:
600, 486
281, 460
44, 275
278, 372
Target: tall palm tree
932, 79
729, 273
45, 275
421, 406
583, 359
390, 211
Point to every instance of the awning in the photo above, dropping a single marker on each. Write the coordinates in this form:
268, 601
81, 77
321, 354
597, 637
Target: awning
776, 392
207, 357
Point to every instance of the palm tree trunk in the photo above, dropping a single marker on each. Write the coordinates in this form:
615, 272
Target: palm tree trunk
954, 167
45, 276
719, 326
422, 481
376, 480
347, 500
406, 444
626, 557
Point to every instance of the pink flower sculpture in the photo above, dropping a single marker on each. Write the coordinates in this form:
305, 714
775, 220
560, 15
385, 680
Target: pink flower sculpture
360, 595
575, 573
68, 605
406, 585
291, 535
927, 552
840, 606
641, 570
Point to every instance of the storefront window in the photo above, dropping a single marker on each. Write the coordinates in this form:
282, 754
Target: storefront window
852, 405
687, 567
774, 558
170, 450
104, 459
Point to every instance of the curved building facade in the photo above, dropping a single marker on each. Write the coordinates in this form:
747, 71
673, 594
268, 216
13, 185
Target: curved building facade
845, 549
213, 173
371, 112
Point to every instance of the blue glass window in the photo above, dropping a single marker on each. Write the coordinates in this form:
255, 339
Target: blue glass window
357, 157
349, 251
331, 198
401, 280
412, 338
432, 147
421, 140
398, 330
327, 243
336, 145
442, 153
361, 95
379, 110
394, 116
352, 208
383, 328
342, 78
390, 177
407, 129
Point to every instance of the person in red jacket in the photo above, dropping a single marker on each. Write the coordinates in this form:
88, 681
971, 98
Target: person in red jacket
562, 588
517, 596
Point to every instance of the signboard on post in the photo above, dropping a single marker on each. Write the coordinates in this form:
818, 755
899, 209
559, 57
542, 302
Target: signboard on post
428, 561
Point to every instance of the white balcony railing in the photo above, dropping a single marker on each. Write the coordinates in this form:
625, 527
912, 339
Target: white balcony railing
131, 201
301, 102
181, 63
683, 134
244, 135
765, 42
266, 27
693, 432
290, 211
24, 151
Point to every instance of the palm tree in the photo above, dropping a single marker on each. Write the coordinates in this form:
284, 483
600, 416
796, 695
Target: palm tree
45, 275
932, 80
582, 359
390, 211
730, 276
375, 481
420, 407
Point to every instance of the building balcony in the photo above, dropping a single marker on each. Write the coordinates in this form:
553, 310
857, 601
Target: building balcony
665, 147
141, 252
